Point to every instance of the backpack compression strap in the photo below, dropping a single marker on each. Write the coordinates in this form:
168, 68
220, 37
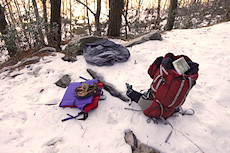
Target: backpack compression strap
160, 78
85, 115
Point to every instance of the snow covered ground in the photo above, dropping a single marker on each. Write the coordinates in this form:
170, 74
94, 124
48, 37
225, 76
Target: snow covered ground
29, 125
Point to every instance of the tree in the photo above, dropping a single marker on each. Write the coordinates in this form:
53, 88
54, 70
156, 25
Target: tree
55, 22
39, 37
97, 18
158, 15
171, 15
3, 22
10, 44
115, 14
227, 10
125, 13
87, 15
45, 17
96, 15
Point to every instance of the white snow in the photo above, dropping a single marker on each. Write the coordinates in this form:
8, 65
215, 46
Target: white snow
29, 125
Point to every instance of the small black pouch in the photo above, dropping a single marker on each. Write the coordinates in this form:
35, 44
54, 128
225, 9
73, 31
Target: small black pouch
132, 94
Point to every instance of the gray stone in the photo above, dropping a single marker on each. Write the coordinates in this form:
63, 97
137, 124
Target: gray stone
142, 148
23, 62
131, 139
75, 47
49, 49
155, 36
69, 58
27, 61
64, 81
15, 75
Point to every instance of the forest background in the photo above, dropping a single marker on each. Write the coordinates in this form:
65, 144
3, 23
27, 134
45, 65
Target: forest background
27, 25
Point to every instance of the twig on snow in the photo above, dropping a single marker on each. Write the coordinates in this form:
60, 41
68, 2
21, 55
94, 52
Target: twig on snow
190, 140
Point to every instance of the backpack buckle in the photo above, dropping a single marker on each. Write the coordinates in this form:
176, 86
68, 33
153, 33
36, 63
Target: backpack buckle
163, 80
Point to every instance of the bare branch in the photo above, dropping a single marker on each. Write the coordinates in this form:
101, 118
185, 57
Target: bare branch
107, 86
190, 140
86, 7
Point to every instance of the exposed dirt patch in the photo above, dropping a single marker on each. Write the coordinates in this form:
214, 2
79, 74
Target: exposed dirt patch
27, 54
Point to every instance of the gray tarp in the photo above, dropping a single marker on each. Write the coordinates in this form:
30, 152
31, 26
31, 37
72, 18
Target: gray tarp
105, 52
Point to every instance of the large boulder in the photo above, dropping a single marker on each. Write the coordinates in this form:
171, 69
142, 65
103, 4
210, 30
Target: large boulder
75, 47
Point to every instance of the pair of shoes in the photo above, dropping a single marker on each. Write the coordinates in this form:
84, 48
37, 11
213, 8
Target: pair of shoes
86, 90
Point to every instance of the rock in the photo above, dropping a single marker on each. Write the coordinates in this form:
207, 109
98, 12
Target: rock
22, 63
69, 58
142, 148
14, 61
131, 139
15, 75
75, 47
49, 49
155, 36
64, 81
27, 61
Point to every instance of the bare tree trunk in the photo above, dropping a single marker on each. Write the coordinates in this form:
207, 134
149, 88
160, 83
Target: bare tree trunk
97, 18
45, 19
87, 13
10, 12
214, 9
171, 15
56, 19
96, 15
227, 10
66, 10
107, 4
126, 20
35, 9
20, 21
166, 1
115, 14
18, 9
70, 18
63, 8
37, 19
39, 37
139, 7
3, 22
26, 34
10, 44
158, 15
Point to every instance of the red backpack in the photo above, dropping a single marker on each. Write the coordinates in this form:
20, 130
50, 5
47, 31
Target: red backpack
169, 89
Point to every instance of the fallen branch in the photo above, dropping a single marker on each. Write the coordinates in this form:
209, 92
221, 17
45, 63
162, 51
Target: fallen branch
153, 35
108, 87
